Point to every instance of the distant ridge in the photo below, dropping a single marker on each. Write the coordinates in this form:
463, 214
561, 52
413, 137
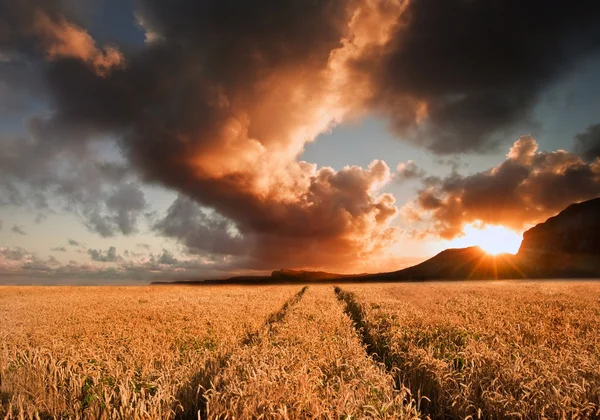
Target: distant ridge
282, 276
565, 246
456, 264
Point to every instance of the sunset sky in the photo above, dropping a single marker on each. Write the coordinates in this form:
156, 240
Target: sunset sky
185, 138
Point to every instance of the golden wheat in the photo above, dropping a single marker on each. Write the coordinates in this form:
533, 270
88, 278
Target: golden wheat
312, 364
493, 350
485, 349
119, 352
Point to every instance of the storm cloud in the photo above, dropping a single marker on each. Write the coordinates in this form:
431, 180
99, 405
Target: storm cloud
456, 75
221, 100
588, 143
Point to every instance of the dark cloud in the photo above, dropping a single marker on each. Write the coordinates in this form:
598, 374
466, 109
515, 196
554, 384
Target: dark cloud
124, 206
133, 254
14, 253
126, 203
20, 81
220, 102
52, 261
199, 230
144, 246
526, 188
167, 258
51, 174
336, 215
470, 70
36, 266
19, 260
409, 170
110, 255
588, 143
39, 265
59, 249
18, 230
73, 242
16, 262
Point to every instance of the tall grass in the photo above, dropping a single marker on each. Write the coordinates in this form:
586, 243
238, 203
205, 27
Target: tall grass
489, 350
456, 350
310, 364
120, 352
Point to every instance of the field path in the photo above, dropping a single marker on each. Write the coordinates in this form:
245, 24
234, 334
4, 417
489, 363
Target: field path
309, 363
134, 352
204, 379
486, 350
375, 339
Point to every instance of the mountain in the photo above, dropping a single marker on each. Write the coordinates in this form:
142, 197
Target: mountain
277, 277
564, 246
455, 264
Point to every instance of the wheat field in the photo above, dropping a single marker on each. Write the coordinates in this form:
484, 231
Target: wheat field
491, 349
421, 350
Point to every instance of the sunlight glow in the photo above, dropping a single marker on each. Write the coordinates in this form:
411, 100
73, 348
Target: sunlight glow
493, 239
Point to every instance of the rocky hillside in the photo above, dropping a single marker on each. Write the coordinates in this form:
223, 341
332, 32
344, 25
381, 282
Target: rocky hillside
566, 245
575, 230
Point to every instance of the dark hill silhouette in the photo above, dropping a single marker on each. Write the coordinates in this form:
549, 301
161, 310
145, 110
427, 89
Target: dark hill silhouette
565, 246
456, 264
277, 277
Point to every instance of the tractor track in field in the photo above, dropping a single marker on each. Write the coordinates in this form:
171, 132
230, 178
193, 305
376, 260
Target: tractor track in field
379, 350
203, 380
376, 349
275, 317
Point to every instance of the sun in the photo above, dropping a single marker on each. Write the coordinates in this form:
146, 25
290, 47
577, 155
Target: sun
493, 239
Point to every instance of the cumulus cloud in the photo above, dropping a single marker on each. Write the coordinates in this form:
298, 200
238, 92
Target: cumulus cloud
46, 172
220, 102
110, 255
18, 230
17, 261
62, 39
36, 266
167, 258
529, 186
124, 205
48, 27
199, 230
328, 218
73, 242
409, 170
14, 253
59, 249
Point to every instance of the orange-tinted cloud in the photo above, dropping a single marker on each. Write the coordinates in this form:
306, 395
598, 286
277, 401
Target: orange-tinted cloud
315, 217
220, 103
220, 111
526, 188
64, 39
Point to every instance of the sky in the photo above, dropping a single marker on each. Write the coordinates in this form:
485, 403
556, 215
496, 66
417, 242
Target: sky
156, 139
